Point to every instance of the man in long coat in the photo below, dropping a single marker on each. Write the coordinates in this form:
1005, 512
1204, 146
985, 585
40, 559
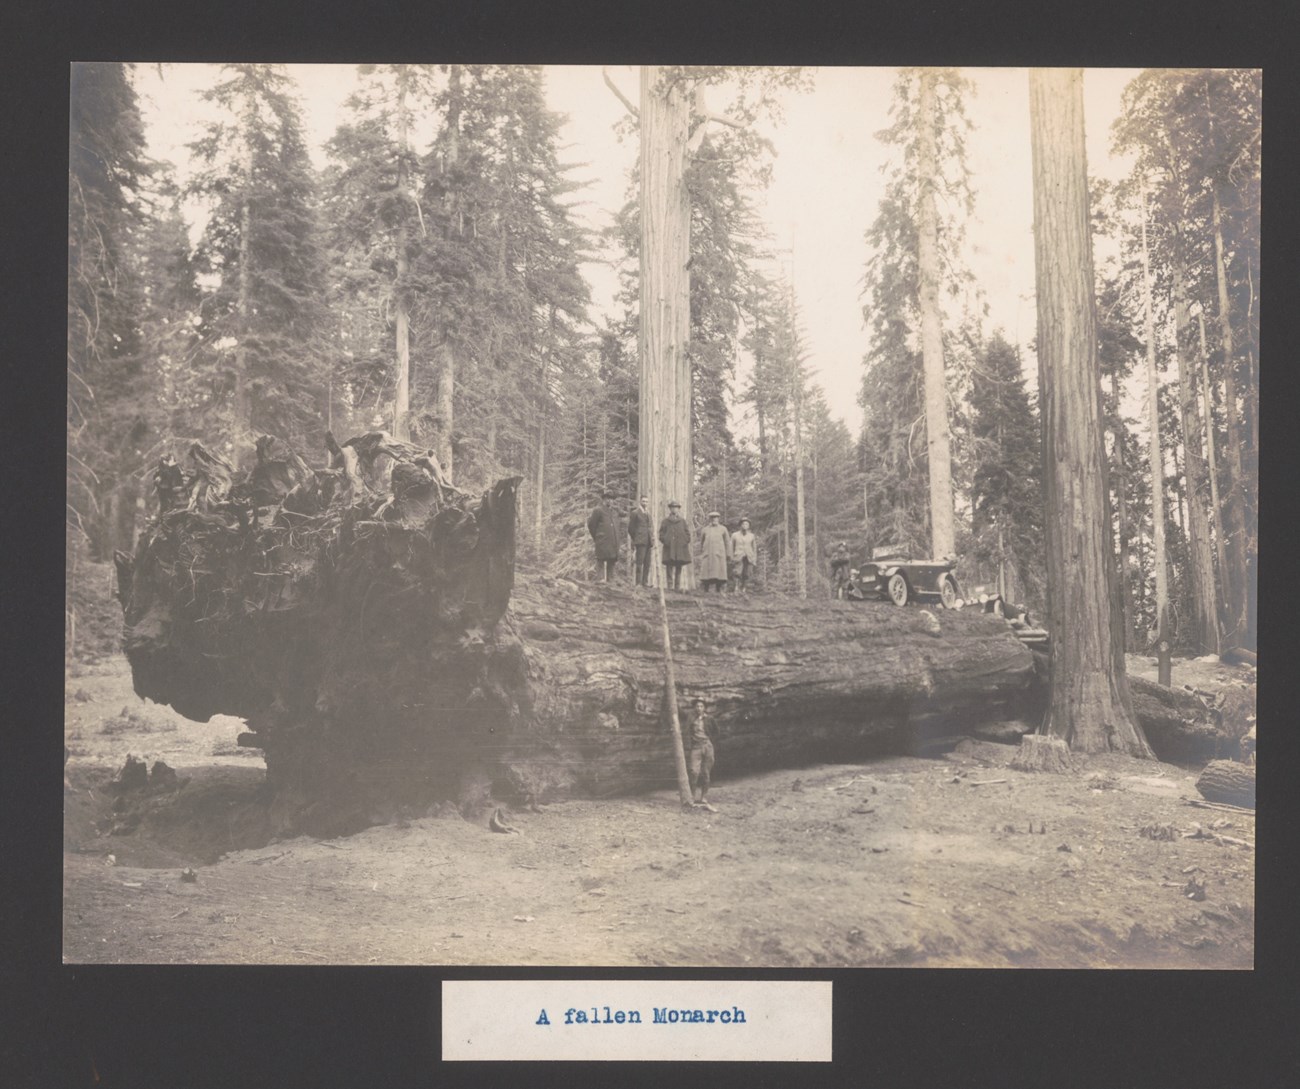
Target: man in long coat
715, 553
602, 524
675, 543
639, 528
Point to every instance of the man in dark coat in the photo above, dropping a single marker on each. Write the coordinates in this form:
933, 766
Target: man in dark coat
602, 524
675, 540
639, 528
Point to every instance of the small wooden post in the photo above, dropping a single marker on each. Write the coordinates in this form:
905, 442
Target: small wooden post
1164, 663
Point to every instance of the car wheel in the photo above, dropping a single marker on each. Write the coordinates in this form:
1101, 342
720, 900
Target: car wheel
948, 592
898, 589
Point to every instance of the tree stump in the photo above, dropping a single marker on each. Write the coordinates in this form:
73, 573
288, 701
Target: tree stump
1226, 781
1038, 752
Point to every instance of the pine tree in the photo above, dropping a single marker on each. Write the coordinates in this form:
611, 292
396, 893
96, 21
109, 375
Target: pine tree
376, 224
1196, 134
1007, 488
109, 421
910, 242
267, 346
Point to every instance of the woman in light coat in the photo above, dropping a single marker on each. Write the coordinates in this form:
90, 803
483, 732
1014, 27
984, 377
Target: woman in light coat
715, 553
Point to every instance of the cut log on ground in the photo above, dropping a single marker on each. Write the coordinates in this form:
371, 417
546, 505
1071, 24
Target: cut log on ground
1179, 727
1227, 781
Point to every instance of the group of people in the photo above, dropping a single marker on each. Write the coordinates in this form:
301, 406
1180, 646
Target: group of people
722, 553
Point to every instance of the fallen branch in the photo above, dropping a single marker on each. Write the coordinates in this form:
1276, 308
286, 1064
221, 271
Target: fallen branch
984, 782
1199, 804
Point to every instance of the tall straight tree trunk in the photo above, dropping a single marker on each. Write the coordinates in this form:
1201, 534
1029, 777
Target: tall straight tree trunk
446, 345
942, 540
1156, 456
1216, 508
664, 463
1121, 498
801, 564
1238, 621
1204, 608
538, 529
402, 393
242, 402
1090, 707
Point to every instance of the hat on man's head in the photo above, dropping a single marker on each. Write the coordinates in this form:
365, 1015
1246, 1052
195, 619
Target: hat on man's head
673, 503
714, 514
744, 521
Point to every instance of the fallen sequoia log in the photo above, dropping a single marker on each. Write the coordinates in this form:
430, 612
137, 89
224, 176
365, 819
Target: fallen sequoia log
1228, 781
356, 618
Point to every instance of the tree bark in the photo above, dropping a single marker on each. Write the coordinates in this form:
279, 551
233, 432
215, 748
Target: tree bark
1216, 508
1156, 459
446, 346
1237, 625
1204, 603
241, 400
402, 333
665, 469
1090, 707
942, 539
801, 536
1121, 493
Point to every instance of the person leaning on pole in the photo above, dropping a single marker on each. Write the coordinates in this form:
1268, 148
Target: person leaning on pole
700, 762
675, 541
639, 529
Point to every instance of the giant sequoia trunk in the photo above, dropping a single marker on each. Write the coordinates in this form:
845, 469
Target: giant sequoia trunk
665, 469
1090, 705
939, 459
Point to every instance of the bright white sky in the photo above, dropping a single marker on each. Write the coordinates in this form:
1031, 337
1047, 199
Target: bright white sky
827, 181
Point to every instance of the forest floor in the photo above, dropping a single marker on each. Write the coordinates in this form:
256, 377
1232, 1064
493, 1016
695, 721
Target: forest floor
955, 860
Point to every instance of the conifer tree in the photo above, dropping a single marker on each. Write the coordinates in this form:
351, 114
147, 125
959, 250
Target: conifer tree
1007, 492
265, 325
109, 420
910, 243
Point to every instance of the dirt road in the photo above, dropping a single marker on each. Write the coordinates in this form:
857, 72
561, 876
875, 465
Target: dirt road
951, 861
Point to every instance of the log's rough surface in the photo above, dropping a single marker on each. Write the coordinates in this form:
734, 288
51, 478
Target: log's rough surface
1227, 781
1179, 727
785, 681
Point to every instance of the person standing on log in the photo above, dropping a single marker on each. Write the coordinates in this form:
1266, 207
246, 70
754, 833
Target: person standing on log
639, 527
715, 553
701, 757
744, 554
675, 540
602, 524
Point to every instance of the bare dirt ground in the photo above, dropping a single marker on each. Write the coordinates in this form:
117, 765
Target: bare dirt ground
955, 860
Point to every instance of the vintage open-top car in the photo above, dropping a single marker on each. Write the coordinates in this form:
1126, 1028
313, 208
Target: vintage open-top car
892, 577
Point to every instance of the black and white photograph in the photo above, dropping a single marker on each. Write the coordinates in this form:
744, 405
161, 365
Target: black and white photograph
661, 516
